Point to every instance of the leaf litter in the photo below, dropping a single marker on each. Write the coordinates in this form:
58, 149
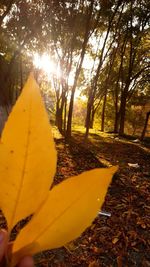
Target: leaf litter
122, 239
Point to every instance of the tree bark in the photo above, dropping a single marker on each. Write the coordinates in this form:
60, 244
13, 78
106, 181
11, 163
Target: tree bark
117, 112
65, 115
116, 124
60, 113
88, 114
57, 90
92, 118
123, 111
86, 37
145, 126
103, 112
69, 123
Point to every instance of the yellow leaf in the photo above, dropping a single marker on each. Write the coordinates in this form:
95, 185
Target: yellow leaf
115, 240
67, 212
27, 156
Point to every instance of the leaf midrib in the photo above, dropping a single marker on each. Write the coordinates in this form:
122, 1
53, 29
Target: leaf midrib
63, 212
24, 164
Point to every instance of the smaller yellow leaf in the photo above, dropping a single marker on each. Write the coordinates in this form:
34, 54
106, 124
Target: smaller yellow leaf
69, 209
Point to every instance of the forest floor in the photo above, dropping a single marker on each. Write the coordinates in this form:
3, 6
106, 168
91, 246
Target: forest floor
120, 240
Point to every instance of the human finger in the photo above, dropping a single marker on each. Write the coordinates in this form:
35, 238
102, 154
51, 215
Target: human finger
27, 261
3, 242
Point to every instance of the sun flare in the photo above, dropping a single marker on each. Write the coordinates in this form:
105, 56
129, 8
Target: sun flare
45, 63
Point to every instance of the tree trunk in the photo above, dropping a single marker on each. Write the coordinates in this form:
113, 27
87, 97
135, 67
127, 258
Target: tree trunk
79, 66
92, 118
59, 119
116, 124
103, 112
65, 115
117, 113
123, 110
87, 129
68, 133
145, 126
88, 114
57, 112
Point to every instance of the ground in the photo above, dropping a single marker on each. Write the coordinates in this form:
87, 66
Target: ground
119, 240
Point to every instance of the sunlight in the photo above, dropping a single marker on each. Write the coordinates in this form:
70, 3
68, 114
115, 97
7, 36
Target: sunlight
79, 96
71, 79
45, 63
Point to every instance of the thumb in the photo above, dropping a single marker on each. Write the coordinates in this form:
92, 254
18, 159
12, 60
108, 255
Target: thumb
3, 242
26, 262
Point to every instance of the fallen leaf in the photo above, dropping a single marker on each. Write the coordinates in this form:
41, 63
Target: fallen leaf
119, 261
93, 264
115, 240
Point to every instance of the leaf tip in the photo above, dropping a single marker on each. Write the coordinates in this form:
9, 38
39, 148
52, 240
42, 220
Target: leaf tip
114, 169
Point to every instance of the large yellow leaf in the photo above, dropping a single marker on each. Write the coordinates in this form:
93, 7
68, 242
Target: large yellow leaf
27, 156
67, 212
